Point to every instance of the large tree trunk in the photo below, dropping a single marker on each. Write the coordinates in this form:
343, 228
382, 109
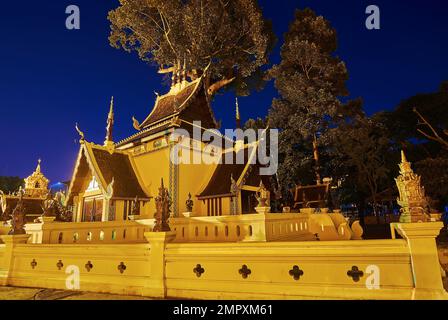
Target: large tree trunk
212, 89
316, 159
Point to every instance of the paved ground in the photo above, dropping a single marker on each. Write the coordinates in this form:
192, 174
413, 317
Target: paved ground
13, 293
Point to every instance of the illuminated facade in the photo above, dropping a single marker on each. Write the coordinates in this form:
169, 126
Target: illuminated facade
34, 194
117, 181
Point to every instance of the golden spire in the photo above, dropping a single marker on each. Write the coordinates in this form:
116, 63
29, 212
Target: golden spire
237, 114
110, 124
403, 157
38, 166
405, 166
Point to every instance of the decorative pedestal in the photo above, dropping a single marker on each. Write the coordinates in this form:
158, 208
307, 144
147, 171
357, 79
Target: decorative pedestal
286, 209
263, 210
187, 214
15, 239
424, 257
46, 219
7, 265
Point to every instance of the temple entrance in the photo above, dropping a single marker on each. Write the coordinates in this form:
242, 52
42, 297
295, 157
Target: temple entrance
248, 202
92, 210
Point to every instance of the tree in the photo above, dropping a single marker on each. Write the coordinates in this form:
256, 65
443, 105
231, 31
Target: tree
408, 123
363, 146
230, 38
10, 184
435, 179
434, 135
310, 80
256, 124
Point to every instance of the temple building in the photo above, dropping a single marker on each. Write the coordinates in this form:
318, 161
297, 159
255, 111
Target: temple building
34, 193
117, 181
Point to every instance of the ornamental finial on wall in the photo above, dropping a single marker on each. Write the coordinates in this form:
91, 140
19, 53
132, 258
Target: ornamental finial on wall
412, 199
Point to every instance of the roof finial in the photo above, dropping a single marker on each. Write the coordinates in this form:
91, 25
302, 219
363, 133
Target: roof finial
237, 114
110, 124
81, 134
38, 165
403, 157
405, 165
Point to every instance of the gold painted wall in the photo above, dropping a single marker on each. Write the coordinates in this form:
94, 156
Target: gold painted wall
215, 270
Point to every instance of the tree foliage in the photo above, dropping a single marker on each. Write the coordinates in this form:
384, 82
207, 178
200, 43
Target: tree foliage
404, 123
310, 79
231, 37
363, 147
434, 175
10, 184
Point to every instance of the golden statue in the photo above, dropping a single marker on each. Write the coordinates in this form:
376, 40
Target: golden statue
263, 197
412, 199
163, 204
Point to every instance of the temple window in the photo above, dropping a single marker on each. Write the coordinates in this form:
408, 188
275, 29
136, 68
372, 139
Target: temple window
37, 185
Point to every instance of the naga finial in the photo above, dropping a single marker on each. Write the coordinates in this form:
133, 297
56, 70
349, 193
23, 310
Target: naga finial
81, 134
136, 124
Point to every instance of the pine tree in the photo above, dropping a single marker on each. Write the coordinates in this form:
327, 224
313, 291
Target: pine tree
310, 80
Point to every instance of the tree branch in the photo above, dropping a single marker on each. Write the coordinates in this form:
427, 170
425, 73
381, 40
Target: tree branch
218, 85
436, 137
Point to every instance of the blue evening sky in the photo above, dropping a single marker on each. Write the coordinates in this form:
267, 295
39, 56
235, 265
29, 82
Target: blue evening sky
51, 77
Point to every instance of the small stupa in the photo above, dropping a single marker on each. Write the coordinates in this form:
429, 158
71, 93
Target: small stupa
412, 199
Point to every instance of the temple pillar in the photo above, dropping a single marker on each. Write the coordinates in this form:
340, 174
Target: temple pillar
106, 207
156, 286
425, 263
7, 265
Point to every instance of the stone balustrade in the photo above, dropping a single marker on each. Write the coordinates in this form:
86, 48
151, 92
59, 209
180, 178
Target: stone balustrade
87, 232
241, 228
304, 226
